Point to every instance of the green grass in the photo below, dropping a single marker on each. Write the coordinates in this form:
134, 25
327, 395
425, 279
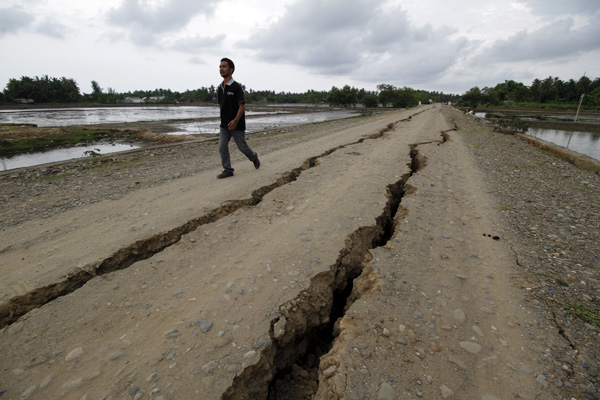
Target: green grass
56, 177
505, 207
588, 313
13, 124
129, 163
26, 145
544, 106
539, 164
366, 114
549, 153
102, 166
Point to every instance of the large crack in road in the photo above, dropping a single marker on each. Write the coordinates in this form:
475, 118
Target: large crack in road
306, 327
19, 306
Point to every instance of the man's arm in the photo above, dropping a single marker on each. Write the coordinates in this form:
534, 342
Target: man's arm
233, 124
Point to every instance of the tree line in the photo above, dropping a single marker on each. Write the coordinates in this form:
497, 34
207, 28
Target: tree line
62, 90
551, 90
42, 90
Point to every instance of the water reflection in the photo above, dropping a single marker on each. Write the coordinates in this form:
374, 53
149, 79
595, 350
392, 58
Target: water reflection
81, 116
256, 124
540, 117
581, 142
108, 115
28, 160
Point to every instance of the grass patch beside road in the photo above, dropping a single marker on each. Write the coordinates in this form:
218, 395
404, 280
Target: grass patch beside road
70, 137
13, 124
589, 314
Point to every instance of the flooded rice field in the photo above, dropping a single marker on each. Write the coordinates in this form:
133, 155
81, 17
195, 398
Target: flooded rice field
110, 115
582, 142
261, 122
175, 120
587, 143
538, 116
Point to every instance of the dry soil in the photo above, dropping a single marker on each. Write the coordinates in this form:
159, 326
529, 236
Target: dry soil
405, 255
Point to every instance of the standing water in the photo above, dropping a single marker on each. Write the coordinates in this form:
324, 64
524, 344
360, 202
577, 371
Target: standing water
206, 122
28, 160
581, 142
106, 115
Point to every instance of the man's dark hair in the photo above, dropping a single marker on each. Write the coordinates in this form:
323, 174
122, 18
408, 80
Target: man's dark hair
229, 62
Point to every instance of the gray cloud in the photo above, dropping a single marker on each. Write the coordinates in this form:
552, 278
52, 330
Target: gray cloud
197, 43
557, 40
561, 7
356, 39
14, 19
51, 28
144, 24
316, 34
170, 16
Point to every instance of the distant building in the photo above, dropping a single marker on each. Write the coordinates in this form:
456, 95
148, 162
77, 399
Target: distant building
154, 99
134, 100
141, 100
25, 101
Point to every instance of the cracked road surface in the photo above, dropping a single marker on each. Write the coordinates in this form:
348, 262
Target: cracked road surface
205, 288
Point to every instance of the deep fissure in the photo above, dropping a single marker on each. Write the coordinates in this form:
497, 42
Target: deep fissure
288, 368
143, 249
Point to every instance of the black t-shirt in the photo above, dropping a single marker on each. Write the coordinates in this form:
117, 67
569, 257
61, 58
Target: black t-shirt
229, 102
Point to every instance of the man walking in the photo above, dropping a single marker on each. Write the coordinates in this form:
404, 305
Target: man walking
233, 120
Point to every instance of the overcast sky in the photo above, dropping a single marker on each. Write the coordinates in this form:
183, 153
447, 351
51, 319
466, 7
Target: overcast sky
297, 45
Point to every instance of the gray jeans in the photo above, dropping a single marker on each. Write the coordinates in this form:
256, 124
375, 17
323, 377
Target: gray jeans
239, 137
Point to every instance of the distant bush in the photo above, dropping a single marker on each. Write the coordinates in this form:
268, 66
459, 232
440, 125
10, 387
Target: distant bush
370, 101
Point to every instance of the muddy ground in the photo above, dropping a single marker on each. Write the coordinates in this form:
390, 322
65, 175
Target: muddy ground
418, 254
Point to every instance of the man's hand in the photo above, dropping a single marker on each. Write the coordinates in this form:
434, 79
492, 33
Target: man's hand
232, 125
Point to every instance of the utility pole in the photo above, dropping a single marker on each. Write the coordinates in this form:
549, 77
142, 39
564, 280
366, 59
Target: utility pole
576, 116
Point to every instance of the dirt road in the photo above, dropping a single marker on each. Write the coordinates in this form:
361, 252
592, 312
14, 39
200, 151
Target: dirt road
369, 263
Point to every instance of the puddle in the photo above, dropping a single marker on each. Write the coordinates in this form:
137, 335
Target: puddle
28, 160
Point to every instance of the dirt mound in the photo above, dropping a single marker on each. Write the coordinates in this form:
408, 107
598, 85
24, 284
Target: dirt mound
15, 132
161, 138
